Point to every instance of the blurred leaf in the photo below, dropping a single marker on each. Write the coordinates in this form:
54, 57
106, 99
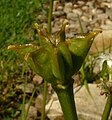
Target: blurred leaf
104, 74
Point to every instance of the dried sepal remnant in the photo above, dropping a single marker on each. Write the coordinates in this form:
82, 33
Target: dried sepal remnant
23, 50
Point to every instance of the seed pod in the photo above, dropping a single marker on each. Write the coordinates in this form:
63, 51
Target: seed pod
79, 48
67, 58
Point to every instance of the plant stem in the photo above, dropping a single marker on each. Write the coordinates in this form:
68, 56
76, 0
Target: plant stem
107, 108
23, 102
50, 16
44, 101
29, 104
45, 82
81, 27
66, 99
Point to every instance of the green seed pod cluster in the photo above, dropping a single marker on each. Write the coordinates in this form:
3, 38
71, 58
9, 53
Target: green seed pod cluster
56, 58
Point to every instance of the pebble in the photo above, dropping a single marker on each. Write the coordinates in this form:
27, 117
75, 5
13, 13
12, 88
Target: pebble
106, 27
90, 4
37, 79
109, 22
77, 11
105, 4
92, 14
67, 10
102, 17
99, 11
60, 8
85, 18
41, 18
32, 113
80, 3
75, 6
28, 88
68, 5
58, 13
85, 9
72, 16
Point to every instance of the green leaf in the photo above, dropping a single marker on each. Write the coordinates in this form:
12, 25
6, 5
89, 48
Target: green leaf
104, 72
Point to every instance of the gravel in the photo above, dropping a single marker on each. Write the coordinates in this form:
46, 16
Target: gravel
93, 14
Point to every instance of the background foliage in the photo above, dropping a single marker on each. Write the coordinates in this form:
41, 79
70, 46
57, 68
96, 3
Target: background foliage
16, 27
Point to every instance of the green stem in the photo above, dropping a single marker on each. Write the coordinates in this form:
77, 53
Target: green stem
45, 82
44, 101
66, 99
29, 104
107, 108
50, 16
82, 31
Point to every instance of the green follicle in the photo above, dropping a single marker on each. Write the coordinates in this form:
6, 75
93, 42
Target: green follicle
61, 37
24, 50
56, 59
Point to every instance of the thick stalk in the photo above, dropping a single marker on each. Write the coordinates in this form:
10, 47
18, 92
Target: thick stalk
107, 108
66, 99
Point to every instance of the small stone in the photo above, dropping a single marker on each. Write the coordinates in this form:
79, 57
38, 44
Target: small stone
85, 8
93, 11
41, 18
28, 87
109, 13
55, 108
102, 16
32, 113
102, 41
75, 6
67, 10
68, 5
85, 18
77, 11
58, 13
80, 2
55, 5
39, 102
72, 16
72, 26
90, 4
60, 8
108, 22
37, 79
70, 35
105, 4
95, 105
99, 11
